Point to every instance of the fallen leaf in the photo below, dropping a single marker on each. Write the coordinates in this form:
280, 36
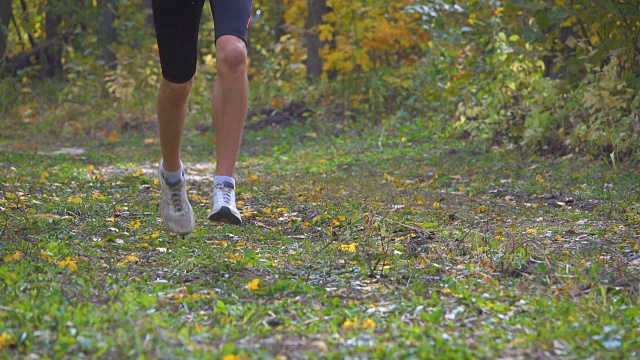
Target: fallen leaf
75, 200
348, 247
46, 256
7, 340
368, 324
68, 263
350, 324
277, 103
254, 284
17, 256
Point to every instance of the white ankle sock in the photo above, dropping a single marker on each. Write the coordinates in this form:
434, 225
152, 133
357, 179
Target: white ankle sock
221, 178
173, 177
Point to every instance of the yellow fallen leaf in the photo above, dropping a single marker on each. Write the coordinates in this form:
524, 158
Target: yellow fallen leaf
68, 263
368, 324
7, 340
131, 258
231, 357
253, 178
17, 256
348, 247
254, 284
436, 205
75, 200
350, 324
46, 256
234, 257
532, 230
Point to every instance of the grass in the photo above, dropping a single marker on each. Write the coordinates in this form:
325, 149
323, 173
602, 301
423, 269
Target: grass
357, 243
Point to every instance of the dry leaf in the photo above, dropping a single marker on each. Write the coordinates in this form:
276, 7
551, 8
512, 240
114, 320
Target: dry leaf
254, 284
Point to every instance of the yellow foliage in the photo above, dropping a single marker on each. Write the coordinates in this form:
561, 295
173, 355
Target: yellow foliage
360, 36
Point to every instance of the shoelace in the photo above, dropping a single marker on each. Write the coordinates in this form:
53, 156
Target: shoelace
176, 197
226, 193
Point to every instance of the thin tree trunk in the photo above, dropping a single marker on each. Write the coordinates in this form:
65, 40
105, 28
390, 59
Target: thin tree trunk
23, 60
109, 35
149, 18
5, 17
51, 57
278, 14
317, 8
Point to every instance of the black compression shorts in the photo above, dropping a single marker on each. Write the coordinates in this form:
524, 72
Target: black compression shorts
177, 23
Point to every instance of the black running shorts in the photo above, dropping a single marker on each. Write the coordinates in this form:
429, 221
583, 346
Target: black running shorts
177, 23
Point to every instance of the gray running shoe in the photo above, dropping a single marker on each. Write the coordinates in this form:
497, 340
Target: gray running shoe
223, 204
177, 213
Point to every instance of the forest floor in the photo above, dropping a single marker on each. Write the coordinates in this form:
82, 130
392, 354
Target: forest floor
372, 244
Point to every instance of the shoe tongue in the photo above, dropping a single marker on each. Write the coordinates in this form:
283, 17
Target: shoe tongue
227, 184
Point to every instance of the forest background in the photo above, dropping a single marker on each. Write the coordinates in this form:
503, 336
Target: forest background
547, 76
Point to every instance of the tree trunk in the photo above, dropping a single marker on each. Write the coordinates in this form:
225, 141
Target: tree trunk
23, 60
279, 23
149, 18
51, 57
5, 18
317, 8
109, 35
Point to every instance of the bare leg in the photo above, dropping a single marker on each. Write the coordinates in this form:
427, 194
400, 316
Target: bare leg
230, 101
172, 110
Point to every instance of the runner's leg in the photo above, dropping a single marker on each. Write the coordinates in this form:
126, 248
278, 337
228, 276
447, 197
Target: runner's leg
231, 89
177, 23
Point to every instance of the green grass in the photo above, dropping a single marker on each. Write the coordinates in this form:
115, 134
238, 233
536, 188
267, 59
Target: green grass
366, 244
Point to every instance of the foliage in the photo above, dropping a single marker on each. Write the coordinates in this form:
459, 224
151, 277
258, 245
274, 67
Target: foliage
486, 70
576, 51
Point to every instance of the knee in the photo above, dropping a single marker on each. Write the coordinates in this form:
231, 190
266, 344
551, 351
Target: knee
177, 88
231, 54
177, 92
